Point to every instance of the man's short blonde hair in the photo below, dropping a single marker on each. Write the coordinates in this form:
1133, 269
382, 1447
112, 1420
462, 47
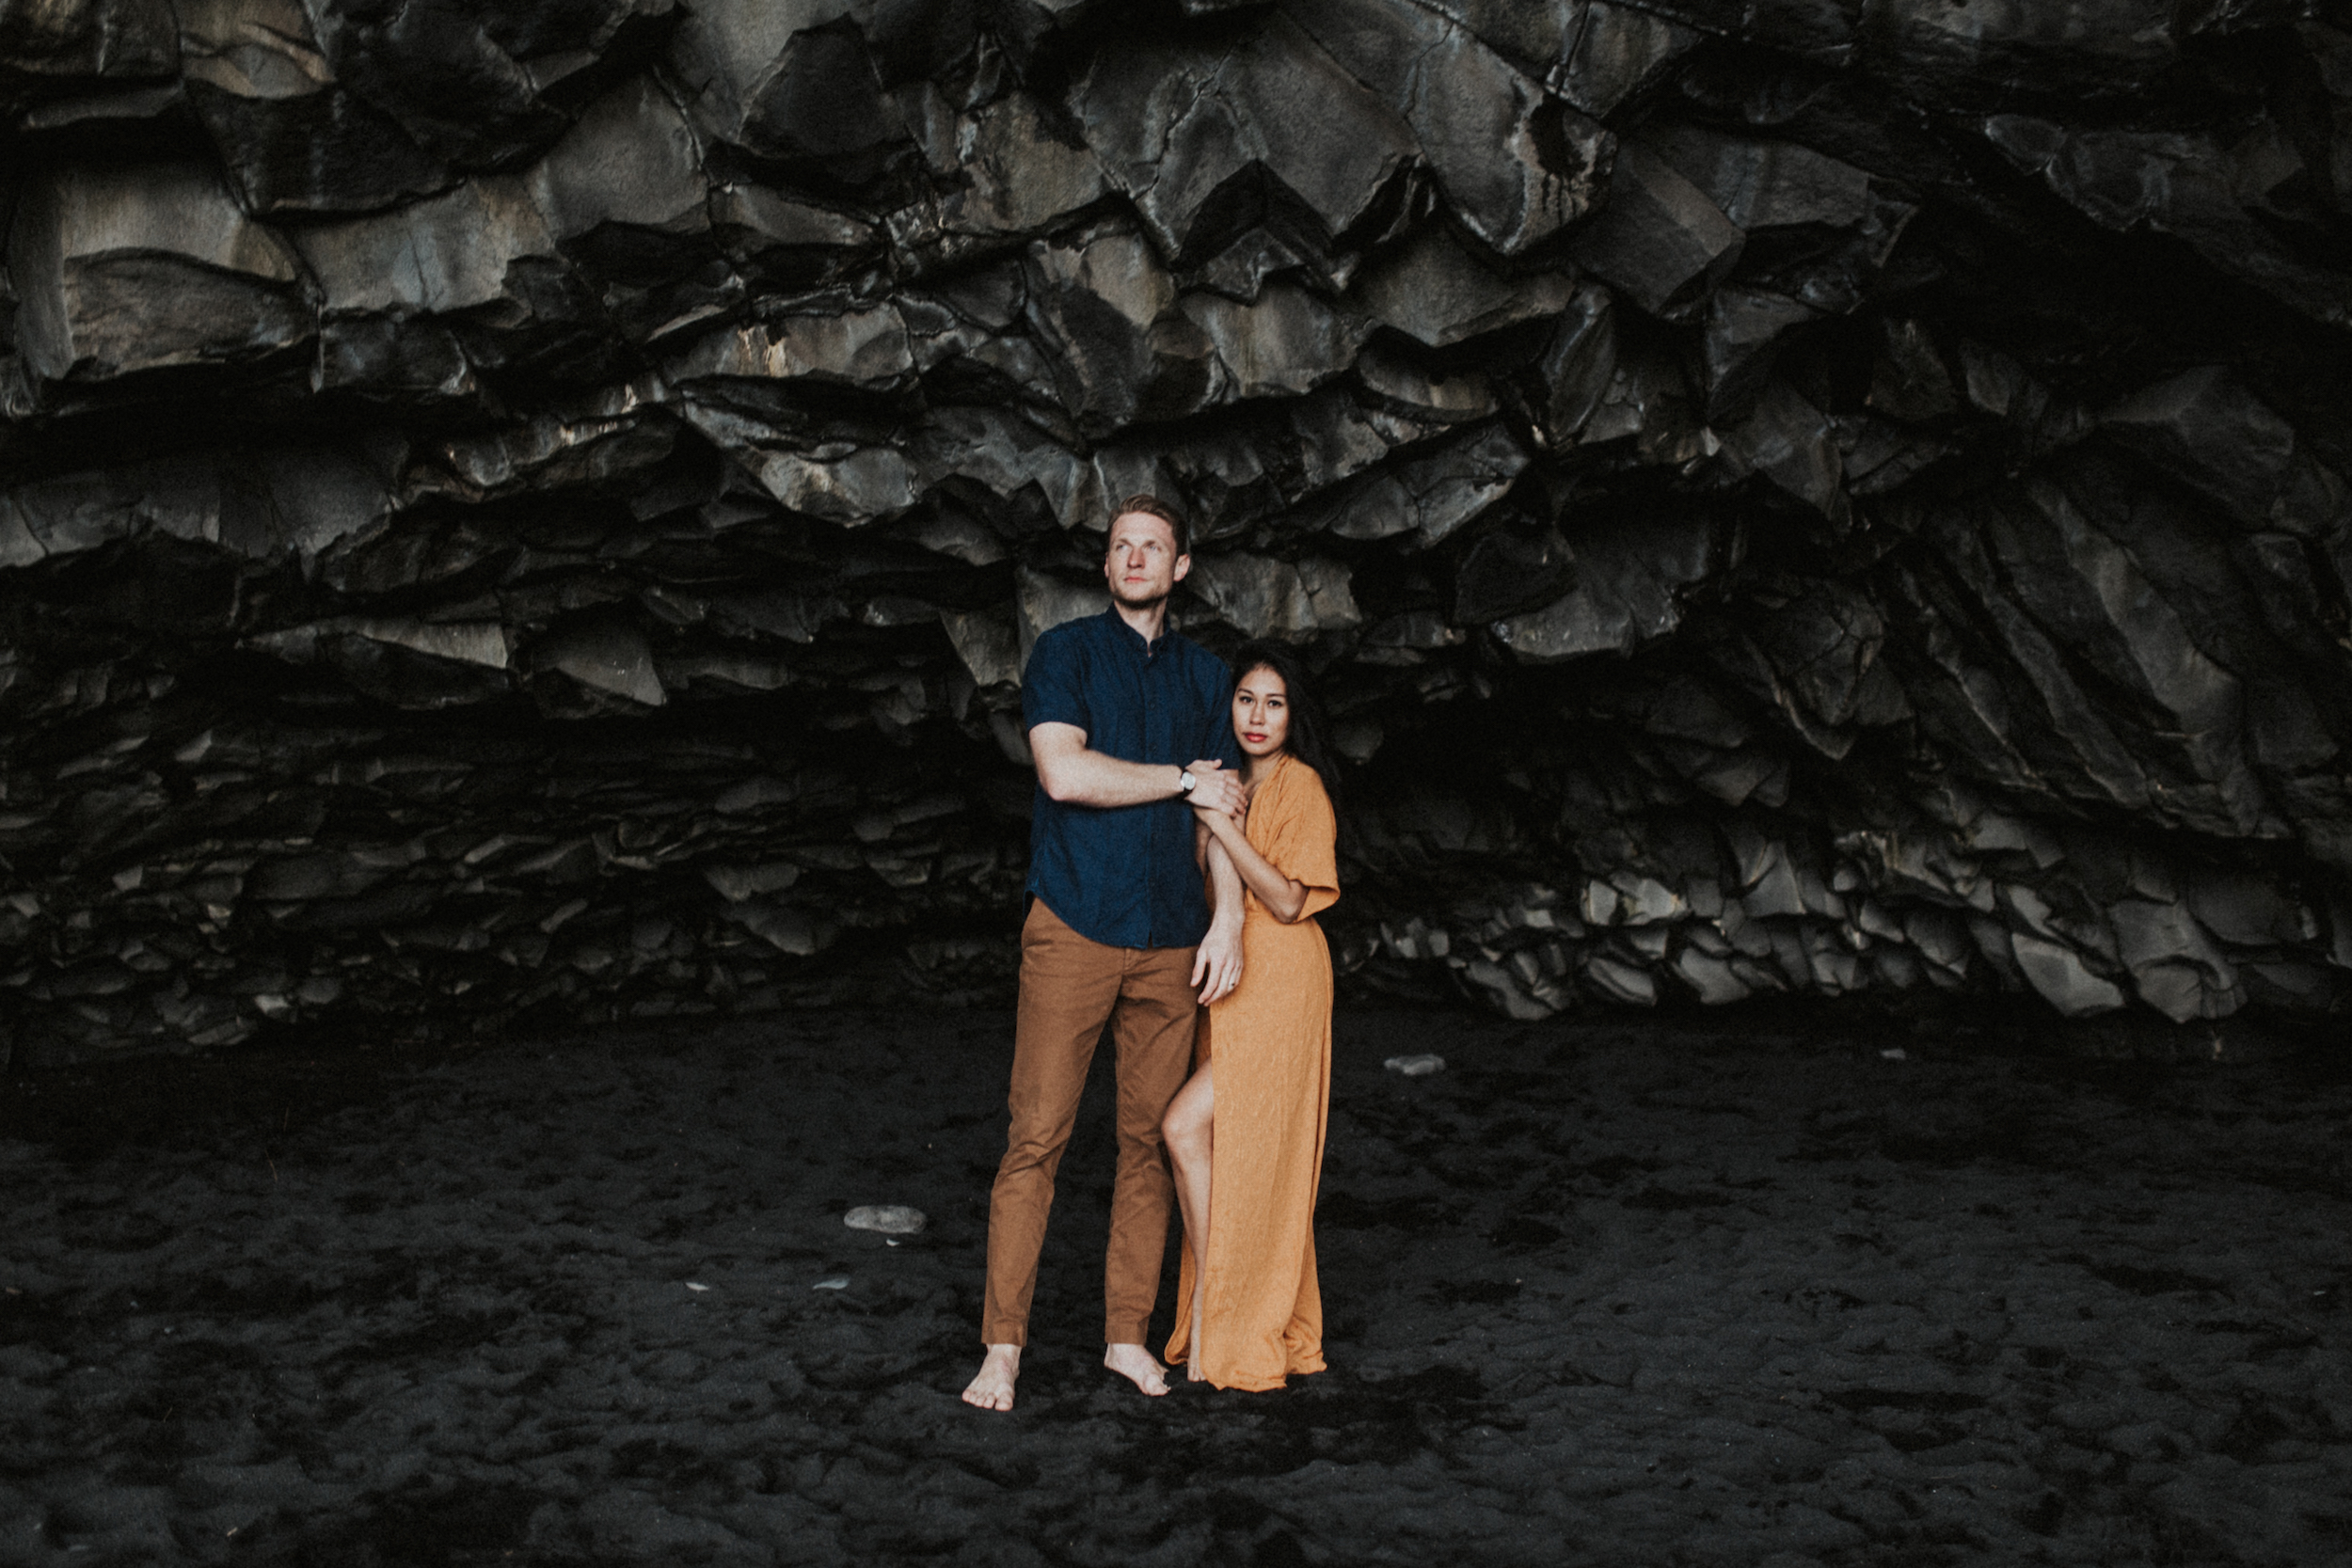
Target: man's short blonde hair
1152, 506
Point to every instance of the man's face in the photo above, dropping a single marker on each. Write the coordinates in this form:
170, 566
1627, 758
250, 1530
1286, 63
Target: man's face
1142, 567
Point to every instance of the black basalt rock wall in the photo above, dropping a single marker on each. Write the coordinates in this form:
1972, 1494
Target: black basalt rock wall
535, 511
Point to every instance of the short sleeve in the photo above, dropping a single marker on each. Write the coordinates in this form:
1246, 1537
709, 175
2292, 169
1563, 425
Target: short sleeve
1053, 688
1302, 838
1219, 743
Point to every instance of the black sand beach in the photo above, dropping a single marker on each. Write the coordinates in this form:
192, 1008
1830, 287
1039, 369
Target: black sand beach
1620, 1292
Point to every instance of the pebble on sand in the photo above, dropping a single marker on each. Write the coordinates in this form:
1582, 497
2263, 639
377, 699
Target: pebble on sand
1416, 1066
891, 1219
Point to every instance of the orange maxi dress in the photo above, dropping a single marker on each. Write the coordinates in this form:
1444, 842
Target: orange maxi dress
1271, 1040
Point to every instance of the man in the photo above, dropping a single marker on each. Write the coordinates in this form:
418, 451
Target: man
1129, 725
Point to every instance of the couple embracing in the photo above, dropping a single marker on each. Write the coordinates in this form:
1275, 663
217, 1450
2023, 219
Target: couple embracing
1182, 835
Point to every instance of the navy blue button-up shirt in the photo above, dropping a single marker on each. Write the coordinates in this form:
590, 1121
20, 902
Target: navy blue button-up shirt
1124, 876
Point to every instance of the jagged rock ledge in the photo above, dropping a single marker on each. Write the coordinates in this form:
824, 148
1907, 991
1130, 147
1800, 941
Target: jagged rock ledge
541, 514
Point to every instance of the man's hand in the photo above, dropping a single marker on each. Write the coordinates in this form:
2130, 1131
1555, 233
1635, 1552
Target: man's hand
1216, 963
1216, 789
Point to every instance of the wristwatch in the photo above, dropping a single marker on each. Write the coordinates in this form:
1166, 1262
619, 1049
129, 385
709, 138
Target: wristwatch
1185, 781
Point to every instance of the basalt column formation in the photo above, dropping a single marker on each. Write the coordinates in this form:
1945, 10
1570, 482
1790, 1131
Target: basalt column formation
523, 513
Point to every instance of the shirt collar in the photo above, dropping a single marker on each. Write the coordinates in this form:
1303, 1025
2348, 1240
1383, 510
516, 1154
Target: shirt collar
1130, 638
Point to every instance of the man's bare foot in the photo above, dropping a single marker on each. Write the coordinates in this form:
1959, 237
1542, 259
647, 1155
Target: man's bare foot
1137, 1365
992, 1388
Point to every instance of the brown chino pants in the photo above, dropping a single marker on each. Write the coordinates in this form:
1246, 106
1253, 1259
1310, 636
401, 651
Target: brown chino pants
1070, 987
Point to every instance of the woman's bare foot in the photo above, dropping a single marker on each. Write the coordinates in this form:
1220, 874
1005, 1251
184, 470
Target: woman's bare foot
992, 1388
1137, 1365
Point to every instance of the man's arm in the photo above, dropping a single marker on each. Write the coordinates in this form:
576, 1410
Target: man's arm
1077, 777
1216, 967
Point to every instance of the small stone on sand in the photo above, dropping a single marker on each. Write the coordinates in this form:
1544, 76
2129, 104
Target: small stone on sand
891, 1219
838, 1282
1416, 1066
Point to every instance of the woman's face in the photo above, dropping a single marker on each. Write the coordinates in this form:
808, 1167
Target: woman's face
1262, 712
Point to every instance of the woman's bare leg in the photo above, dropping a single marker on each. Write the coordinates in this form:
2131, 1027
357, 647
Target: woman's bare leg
1189, 1131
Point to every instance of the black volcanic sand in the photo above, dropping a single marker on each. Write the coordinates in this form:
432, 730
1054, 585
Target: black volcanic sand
1611, 1292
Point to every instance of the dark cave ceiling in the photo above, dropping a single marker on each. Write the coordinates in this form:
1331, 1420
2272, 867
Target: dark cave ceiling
533, 513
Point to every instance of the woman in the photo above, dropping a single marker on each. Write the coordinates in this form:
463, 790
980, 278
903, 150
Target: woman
1246, 1134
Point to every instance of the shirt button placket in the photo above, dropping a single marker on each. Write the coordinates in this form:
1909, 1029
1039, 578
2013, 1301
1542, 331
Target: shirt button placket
1151, 883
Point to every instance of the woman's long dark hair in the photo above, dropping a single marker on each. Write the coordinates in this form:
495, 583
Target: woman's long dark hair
1310, 739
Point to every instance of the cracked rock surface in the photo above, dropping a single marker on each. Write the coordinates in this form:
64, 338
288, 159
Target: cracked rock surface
540, 515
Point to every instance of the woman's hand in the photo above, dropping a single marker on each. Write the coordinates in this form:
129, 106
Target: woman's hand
1216, 787
1221, 823
1221, 795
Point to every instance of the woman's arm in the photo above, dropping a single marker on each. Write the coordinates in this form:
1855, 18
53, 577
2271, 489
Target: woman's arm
1284, 898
